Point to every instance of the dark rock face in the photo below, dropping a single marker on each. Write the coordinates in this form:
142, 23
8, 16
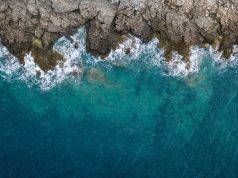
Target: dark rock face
179, 23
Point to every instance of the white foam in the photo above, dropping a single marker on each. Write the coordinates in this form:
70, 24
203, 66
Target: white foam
9, 64
130, 50
132, 44
223, 63
177, 67
30, 72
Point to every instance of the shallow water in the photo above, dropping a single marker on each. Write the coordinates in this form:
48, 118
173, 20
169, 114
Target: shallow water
129, 116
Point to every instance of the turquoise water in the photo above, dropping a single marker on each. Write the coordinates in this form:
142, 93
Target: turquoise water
124, 118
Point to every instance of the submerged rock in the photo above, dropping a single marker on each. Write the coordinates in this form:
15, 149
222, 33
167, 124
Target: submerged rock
46, 59
180, 23
95, 75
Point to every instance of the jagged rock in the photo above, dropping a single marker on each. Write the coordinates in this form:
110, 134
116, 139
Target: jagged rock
65, 6
32, 8
3, 6
180, 23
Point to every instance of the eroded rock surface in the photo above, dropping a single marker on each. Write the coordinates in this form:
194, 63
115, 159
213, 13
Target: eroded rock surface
178, 23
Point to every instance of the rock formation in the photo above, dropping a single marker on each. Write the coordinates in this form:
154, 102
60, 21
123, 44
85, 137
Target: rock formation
30, 24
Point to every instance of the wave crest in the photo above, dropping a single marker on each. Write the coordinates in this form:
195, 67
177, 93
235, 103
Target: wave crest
31, 73
130, 50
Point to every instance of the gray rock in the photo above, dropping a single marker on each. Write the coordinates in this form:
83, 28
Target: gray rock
180, 23
65, 5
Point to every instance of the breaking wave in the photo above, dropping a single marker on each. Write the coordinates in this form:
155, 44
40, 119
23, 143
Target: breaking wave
132, 49
32, 74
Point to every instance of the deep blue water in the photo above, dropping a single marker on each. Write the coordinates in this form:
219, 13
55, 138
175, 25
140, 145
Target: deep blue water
125, 121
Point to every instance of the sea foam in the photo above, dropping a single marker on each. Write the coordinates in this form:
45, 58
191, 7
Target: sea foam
132, 49
30, 73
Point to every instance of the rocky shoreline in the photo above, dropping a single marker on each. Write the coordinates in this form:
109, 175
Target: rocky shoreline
34, 25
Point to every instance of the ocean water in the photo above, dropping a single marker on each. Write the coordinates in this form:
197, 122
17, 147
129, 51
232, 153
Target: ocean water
131, 116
